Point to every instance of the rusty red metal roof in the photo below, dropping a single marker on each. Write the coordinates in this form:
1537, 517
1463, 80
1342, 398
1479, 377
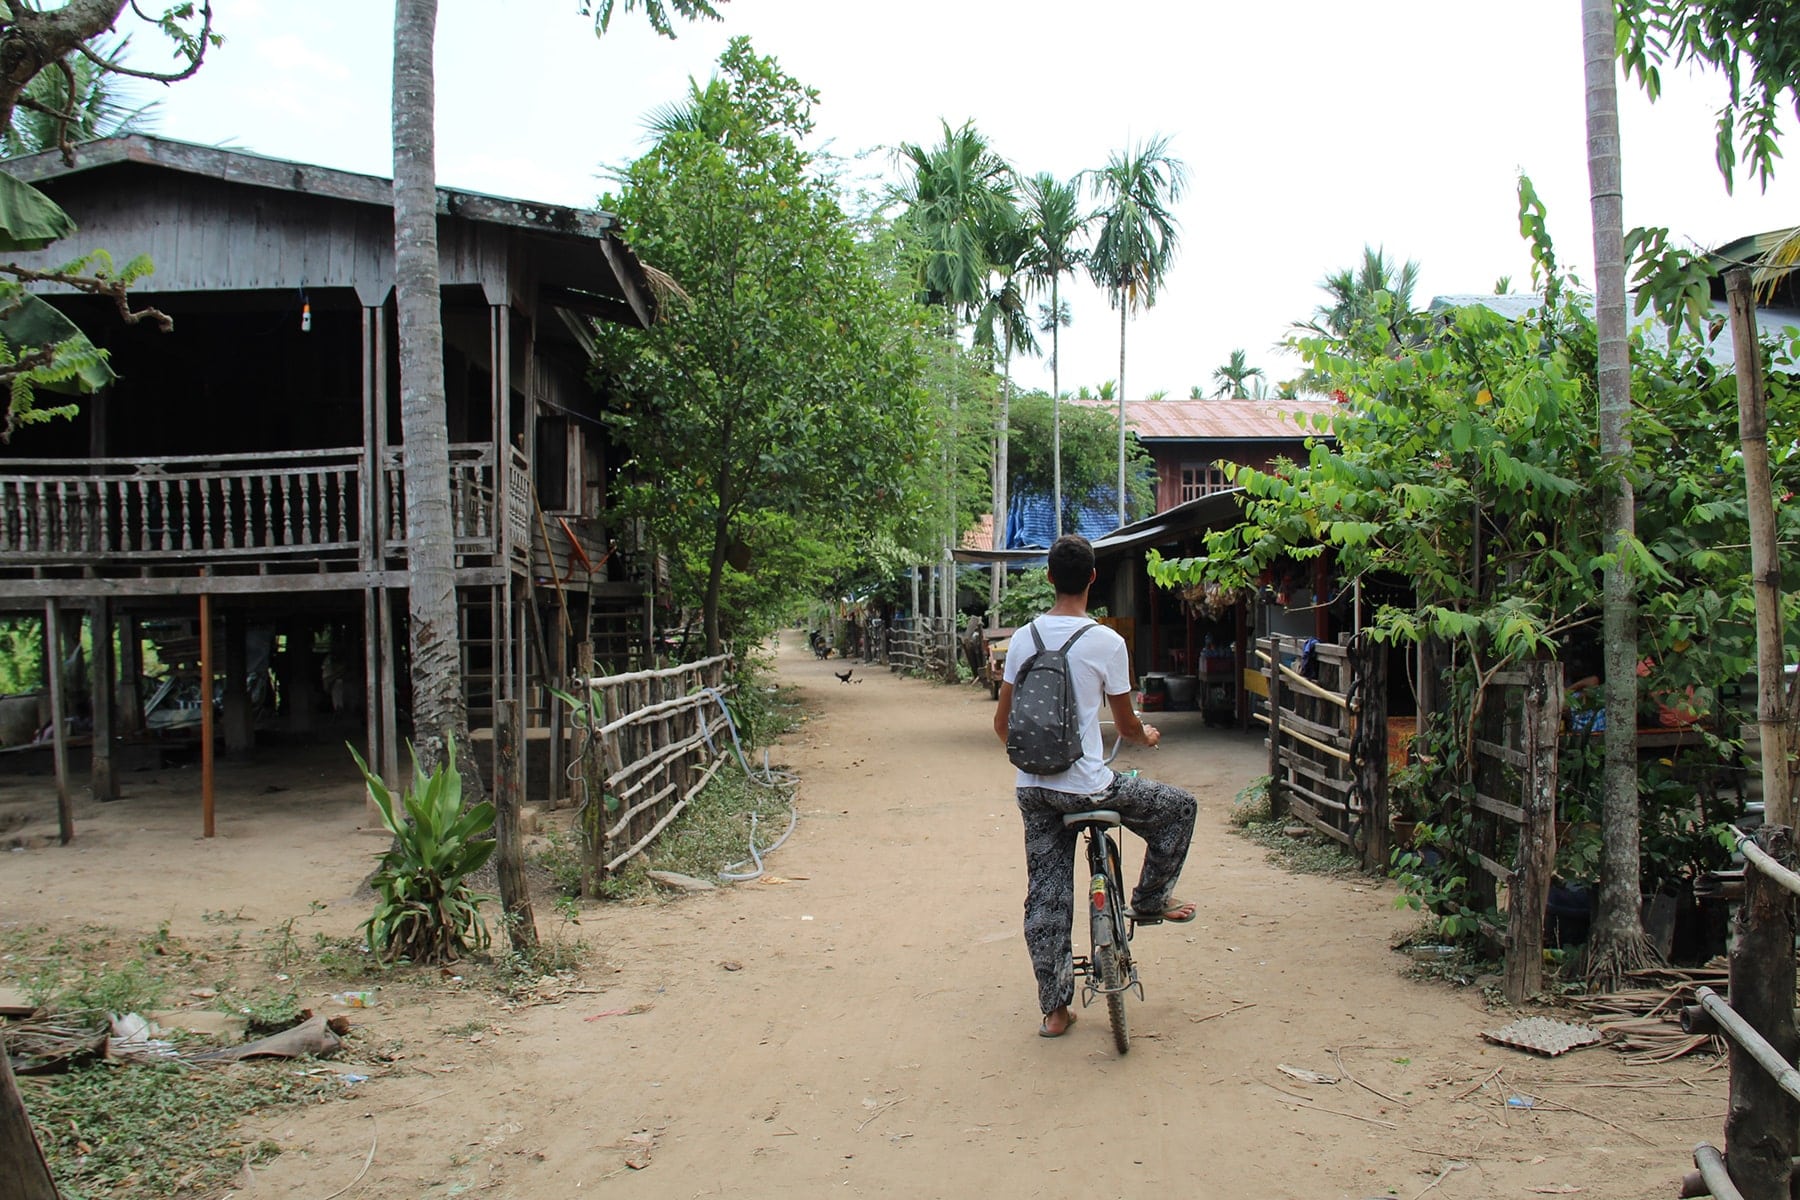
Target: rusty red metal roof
1217, 420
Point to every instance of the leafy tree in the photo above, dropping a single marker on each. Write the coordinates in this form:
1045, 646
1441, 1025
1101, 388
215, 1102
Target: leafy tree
65, 43
1135, 246
98, 109
1055, 225
1375, 291
1754, 43
1232, 376
781, 392
1088, 456
1466, 464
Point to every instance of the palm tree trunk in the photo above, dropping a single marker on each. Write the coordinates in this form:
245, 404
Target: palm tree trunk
1618, 943
1001, 432
1122, 297
438, 706
1056, 405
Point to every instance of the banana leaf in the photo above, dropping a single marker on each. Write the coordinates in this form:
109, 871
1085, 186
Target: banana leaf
37, 322
29, 220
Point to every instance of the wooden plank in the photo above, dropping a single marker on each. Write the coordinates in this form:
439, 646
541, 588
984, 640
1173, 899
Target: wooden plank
1500, 808
1493, 868
1304, 811
1314, 743
1530, 896
1313, 769
1330, 733
1315, 799
1506, 754
1509, 679
1303, 684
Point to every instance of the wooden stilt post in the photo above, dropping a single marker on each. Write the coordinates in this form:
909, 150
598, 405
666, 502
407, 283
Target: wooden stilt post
59, 737
131, 672
1529, 892
103, 783
206, 717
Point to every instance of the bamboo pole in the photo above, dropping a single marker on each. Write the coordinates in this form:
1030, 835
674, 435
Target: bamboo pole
59, 741
1765, 562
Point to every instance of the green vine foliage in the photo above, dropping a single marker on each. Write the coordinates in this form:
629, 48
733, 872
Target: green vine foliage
425, 910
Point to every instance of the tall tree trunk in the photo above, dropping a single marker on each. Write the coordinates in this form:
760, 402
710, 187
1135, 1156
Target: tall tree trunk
1056, 405
1001, 433
1617, 943
1123, 295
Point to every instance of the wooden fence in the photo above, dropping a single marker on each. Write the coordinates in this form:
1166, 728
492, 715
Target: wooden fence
921, 645
1513, 842
1762, 1121
646, 743
1327, 721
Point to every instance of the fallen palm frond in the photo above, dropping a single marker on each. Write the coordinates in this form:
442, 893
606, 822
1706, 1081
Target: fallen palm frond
1644, 1023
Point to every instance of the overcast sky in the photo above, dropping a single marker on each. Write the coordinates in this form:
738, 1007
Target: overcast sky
1311, 127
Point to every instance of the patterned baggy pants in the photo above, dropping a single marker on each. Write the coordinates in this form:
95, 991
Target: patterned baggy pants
1161, 814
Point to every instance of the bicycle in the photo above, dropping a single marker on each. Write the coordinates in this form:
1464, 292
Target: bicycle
1108, 969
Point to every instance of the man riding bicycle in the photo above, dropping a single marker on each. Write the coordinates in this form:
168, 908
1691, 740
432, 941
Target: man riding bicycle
1159, 813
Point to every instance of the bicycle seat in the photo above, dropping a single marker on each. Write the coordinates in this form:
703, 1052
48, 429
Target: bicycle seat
1098, 816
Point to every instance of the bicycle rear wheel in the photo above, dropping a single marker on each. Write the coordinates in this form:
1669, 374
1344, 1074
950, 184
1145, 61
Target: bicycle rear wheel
1109, 965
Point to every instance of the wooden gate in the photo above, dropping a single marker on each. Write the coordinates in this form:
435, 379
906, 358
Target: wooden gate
1327, 720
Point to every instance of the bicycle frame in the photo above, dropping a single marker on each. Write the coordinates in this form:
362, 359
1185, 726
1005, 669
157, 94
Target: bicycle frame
1108, 923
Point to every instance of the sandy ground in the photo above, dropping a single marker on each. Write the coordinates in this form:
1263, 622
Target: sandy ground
866, 1026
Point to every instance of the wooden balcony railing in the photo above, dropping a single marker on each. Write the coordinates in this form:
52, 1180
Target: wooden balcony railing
82, 510
280, 505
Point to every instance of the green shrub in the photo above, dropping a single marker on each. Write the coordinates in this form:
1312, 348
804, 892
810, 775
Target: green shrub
426, 912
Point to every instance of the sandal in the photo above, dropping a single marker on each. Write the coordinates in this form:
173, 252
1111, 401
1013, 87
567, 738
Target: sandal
1044, 1027
1171, 912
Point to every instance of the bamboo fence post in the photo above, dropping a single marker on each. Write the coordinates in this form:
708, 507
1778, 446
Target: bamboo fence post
1530, 891
1372, 769
1765, 560
1277, 800
1762, 1124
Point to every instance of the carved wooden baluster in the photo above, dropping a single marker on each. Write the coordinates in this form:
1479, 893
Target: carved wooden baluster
269, 536
312, 525
227, 525
338, 532
204, 488
396, 509
143, 514
105, 490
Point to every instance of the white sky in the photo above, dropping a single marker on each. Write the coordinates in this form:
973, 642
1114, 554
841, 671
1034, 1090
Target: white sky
1311, 127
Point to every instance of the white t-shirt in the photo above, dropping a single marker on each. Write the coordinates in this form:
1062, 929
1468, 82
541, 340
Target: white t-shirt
1099, 667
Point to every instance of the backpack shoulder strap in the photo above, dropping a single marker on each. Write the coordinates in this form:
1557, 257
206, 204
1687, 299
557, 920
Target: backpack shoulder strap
1077, 634
1032, 629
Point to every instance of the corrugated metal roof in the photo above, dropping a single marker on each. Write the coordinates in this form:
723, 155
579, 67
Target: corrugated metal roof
1216, 420
1770, 321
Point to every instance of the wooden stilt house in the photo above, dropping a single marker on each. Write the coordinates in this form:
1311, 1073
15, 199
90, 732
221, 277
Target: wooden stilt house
253, 455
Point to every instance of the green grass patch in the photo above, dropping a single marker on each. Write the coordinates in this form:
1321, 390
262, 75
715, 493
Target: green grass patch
1306, 854
150, 1130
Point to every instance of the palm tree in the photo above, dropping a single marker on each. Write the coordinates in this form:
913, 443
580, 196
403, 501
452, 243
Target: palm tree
440, 712
1003, 318
1055, 225
956, 195
45, 116
1232, 375
1196, 393
1617, 944
1374, 290
1135, 247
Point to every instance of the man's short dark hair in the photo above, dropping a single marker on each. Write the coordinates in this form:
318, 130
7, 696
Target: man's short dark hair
1071, 564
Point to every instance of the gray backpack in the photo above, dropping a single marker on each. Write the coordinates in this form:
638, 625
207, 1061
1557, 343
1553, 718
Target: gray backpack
1043, 730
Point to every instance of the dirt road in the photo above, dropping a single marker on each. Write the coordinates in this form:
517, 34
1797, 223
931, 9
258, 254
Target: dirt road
867, 1027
